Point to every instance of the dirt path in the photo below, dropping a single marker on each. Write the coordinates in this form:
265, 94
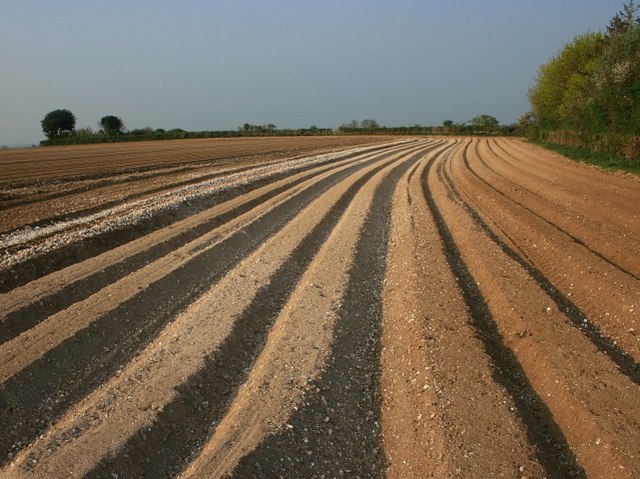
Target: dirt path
427, 308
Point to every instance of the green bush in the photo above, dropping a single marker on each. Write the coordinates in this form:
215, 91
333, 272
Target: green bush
588, 96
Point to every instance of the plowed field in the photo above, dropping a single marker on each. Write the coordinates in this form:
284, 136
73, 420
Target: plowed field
318, 308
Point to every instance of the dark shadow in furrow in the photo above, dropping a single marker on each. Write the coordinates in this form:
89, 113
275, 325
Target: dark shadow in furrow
185, 424
626, 364
576, 240
44, 390
336, 430
25, 318
553, 451
89, 247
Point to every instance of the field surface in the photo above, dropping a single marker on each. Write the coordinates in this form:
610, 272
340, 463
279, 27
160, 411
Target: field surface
316, 308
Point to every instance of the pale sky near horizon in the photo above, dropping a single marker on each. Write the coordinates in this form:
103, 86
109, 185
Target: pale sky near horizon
215, 65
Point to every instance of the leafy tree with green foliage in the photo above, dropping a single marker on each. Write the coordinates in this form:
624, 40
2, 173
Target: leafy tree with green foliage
58, 122
593, 83
616, 78
562, 91
589, 94
527, 119
111, 125
484, 122
623, 20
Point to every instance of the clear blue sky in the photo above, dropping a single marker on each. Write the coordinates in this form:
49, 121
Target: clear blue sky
204, 65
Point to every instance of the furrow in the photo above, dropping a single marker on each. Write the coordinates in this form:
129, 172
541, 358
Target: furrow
22, 308
15, 353
297, 347
413, 439
587, 226
76, 251
553, 452
100, 183
61, 195
184, 347
500, 185
185, 436
565, 375
585, 193
26, 243
436, 375
111, 193
93, 161
556, 265
43, 390
336, 427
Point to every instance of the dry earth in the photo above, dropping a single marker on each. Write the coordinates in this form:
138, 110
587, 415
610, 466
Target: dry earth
317, 308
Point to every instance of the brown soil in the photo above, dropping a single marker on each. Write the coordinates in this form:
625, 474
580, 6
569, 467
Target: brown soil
317, 307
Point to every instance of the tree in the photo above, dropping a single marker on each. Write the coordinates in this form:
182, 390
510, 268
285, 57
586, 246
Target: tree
593, 84
111, 125
616, 84
527, 119
57, 122
369, 124
623, 20
447, 123
484, 121
560, 98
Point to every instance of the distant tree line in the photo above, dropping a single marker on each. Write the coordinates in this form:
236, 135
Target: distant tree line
59, 127
589, 94
249, 128
478, 125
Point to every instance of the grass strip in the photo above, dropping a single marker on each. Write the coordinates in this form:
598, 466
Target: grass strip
606, 161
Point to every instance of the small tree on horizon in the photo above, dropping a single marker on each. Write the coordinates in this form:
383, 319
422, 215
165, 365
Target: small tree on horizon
57, 122
369, 123
484, 121
111, 124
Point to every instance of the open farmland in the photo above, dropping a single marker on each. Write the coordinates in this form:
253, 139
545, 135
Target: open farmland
320, 307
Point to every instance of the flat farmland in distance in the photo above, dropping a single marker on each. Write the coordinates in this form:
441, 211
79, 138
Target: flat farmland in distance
317, 307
